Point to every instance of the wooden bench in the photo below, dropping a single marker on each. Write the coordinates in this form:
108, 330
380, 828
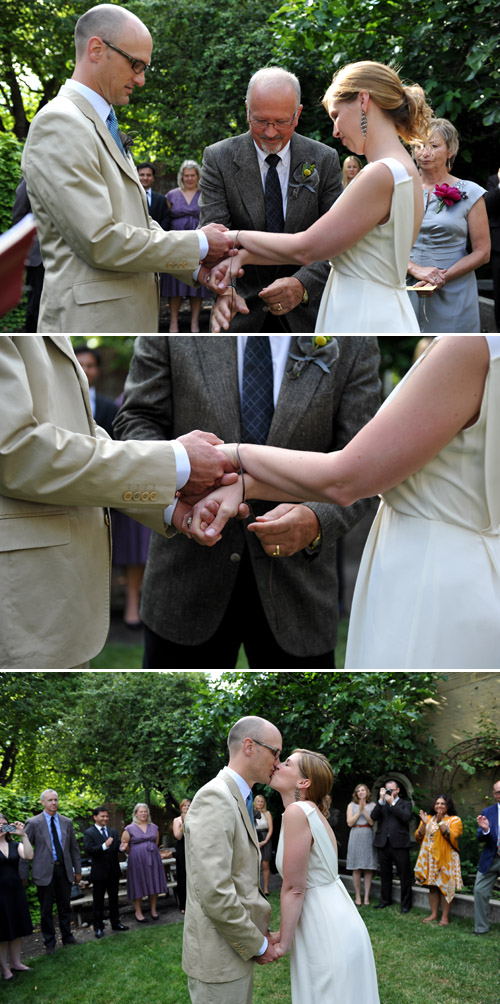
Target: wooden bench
86, 900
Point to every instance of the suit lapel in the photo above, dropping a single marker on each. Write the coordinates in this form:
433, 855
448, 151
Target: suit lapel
294, 398
297, 198
220, 370
247, 178
125, 163
235, 791
63, 343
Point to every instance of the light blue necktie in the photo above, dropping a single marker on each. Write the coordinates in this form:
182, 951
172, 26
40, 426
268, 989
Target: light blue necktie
112, 124
249, 805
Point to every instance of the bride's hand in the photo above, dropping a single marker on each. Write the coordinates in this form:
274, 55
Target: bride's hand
227, 270
212, 513
280, 951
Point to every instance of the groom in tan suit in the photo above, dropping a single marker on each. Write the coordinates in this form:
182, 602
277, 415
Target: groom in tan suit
226, 926
100, 248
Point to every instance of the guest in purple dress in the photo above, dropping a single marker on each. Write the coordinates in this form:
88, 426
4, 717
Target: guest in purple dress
183, 202
145, 871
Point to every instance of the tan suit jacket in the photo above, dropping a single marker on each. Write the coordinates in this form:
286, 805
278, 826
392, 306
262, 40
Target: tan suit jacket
99, 246
42, 865
227, 914
58, 472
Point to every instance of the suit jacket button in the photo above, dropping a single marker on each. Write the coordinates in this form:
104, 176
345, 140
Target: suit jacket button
235, 558
145, 497
154, 496
127, 496
136, 496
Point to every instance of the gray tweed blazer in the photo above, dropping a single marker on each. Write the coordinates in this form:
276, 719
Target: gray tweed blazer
232, 193
177, 384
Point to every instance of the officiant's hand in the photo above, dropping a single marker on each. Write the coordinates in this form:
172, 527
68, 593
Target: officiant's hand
283, 295
225, 308
291, 526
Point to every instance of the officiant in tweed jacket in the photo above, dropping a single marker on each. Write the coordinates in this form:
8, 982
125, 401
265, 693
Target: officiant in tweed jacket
202, 603
232, 186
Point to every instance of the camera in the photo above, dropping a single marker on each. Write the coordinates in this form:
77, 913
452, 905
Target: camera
8, 828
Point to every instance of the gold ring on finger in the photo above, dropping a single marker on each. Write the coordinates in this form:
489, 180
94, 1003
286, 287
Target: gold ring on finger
280, 307
276, 553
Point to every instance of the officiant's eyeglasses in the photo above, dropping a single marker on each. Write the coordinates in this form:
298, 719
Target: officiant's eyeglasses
275, 750
138, 65
278, 124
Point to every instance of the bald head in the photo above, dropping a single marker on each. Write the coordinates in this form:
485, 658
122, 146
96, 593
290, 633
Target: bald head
106, 21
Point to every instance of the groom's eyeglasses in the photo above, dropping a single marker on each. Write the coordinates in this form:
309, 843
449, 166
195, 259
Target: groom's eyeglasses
274, 749
138, 65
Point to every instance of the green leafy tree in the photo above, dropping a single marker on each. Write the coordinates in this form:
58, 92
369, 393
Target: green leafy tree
449, 48
30, 704
361, 721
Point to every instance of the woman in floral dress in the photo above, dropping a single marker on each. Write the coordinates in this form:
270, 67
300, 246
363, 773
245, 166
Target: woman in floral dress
438, 864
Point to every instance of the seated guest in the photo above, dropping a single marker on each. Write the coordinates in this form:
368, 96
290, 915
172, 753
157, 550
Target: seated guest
15, 920
438, 863
101, 843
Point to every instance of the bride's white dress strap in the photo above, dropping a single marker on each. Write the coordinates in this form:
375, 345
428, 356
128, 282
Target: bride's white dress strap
399, 172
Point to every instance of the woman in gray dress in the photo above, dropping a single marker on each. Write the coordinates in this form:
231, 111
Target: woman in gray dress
361, 854
454, 213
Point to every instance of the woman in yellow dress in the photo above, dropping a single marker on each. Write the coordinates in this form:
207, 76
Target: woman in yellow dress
438, 863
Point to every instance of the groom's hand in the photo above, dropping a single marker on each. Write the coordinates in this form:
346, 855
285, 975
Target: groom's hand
208, 464
270, 955
220, 243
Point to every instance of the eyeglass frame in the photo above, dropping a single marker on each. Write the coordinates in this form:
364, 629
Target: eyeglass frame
274, 749
277, 124
132, 60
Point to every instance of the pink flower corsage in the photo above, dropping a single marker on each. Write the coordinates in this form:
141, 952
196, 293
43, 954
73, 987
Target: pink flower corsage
448, 195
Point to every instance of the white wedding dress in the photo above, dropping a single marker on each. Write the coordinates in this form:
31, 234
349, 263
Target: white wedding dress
365, 291
331, 958
427, 594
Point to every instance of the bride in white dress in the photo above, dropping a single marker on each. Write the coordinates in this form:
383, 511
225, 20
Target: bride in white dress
320, 925
428, 590
369, 231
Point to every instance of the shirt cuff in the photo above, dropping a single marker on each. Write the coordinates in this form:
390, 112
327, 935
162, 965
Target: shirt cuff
204, 246
264, 947
183, 471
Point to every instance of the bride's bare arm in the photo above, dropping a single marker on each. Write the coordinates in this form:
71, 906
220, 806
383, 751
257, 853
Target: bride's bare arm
297, 848
442, 396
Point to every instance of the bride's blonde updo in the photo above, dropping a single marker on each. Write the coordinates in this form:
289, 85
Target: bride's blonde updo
316, 768
405, 104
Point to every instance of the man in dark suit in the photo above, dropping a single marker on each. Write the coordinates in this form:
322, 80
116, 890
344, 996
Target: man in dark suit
284, 610
489, 863
392, 841
158, 206
101, 843
104, 408
492, 203
271, 178
56, 857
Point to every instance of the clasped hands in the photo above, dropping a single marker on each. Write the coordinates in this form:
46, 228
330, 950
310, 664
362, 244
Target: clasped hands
205, 506
274, 951
280, 297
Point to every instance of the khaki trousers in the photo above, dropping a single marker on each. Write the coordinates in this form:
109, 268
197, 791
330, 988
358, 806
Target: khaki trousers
482, 892
234, 992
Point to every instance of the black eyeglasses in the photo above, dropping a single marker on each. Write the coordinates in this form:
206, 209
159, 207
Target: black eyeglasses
138, 65
274, 749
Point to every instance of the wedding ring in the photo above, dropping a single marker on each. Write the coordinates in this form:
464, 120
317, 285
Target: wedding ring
276, 553
280, 307
189, 522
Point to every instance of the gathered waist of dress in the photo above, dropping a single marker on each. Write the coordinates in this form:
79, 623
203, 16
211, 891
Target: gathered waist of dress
343, 269
486, 532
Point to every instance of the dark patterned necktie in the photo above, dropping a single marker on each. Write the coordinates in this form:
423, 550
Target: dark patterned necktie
273, 198
57, 843
112, 124
257, 405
